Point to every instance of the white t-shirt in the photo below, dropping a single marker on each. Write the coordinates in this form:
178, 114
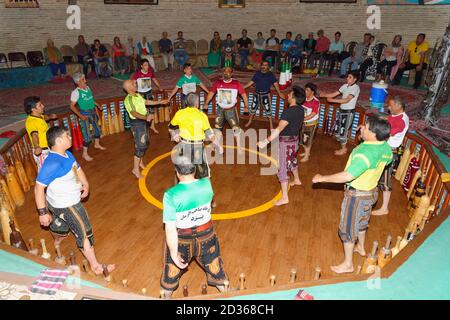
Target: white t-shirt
347, 90
59, 174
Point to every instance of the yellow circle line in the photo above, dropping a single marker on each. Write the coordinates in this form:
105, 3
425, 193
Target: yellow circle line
215, 216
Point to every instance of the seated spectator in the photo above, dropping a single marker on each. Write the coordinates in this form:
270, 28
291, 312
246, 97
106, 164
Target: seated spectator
228, 51
145, 51
54, 59
244, 45
215, 50
297, 52
415, 58
84, 54
355, 58
334, 53
321, 48
286, 46
166, 50
133, 60
100, 54
259, 45
180, 54
370, 61
119, 56
272, 48
391, 59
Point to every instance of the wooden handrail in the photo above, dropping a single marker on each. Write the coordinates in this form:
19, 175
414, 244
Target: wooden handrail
19, 146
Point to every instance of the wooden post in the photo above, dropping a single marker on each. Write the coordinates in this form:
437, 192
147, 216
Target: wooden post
293, 275
241, 281
272, 280
317, 273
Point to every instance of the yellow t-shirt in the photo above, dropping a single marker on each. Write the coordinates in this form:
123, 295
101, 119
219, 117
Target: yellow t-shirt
135, 103
415, 51
39, 125
192, 123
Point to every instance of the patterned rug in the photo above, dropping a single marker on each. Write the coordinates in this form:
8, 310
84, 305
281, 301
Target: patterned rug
56, 97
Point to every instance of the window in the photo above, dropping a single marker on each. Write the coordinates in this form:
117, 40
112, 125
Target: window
231, 3
21, 4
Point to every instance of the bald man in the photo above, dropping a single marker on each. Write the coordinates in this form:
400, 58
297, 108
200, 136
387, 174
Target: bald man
135, 105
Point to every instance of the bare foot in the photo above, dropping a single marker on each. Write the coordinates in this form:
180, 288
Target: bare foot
154, 129
137, 174
99, 269
87, 157
213, 203
295, 183
281, 202
239, 151
142, 166
340, 152
342, 268
360, 250
100, 147
380, 212
305, 159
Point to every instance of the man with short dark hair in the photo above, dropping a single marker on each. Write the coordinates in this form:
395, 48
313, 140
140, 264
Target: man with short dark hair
244, 46
180, 54
228, 52
263, 80
333, 54
414, 58
361, 174
349, 93
100, 54
166, 50
189, 229
356, 56
399, 122
288, 129
66, 185
320, 49
188, 84
227, 90
36, 126
272, 48
84, 55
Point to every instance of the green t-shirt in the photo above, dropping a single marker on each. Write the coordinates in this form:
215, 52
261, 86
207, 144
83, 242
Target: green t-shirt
135, 103
188, 84
188, 204
366, 164
83, 98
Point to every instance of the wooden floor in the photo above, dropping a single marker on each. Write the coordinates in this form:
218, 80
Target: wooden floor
129, 231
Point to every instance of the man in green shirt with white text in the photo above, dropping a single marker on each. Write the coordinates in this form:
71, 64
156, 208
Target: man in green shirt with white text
188, 224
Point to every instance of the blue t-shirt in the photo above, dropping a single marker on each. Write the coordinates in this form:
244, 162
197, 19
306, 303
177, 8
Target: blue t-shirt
59, 174
299, 46
286, 45
264, 81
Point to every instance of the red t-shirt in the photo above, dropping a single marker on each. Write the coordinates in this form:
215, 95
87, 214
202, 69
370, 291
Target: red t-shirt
144, 80
322, 44
227, 92
399, 127
311, 106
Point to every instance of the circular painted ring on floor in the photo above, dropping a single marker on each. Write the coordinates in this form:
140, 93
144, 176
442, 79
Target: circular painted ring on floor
215, 216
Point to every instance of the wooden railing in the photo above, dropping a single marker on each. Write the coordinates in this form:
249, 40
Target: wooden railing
19, 149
